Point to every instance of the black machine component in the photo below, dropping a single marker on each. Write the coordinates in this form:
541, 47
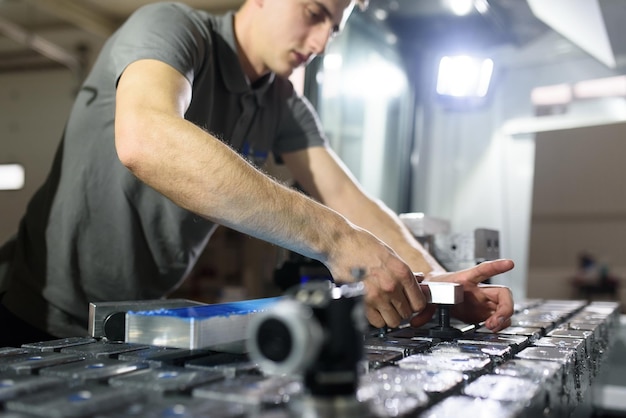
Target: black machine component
444, 295
317, 331
297, 269
444, 330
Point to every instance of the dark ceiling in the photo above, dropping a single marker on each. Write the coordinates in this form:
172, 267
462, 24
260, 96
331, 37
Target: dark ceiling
419, 25
430, 24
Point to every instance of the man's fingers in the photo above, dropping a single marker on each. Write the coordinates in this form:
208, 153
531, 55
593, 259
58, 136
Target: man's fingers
390, 315
415, 296
402, 306
501, 300
498, 324
487, 269
424, 316
374, 317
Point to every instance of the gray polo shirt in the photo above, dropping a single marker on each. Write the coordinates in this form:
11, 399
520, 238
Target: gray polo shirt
94, 232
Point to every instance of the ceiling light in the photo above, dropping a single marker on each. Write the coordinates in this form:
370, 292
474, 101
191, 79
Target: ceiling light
464, 76
11, 176
461, 7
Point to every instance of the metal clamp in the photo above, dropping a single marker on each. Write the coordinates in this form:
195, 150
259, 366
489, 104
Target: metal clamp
444, 295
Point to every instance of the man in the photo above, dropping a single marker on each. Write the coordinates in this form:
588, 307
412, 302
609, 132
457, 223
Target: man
150, 163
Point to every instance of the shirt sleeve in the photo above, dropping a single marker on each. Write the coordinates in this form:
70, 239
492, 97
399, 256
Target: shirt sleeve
167, 32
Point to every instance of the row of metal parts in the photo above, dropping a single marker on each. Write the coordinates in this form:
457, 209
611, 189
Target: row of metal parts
542, 365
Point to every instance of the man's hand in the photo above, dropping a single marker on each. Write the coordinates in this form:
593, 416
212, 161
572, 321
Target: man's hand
490, 303
392, 293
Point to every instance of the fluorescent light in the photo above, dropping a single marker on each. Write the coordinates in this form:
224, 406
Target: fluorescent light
557, 94
11, 176
464, 76
601, 87
461, 7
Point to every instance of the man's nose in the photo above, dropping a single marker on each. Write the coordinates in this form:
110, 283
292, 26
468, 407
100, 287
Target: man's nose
318, 39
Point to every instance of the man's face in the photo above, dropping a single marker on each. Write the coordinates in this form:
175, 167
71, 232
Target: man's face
295, 31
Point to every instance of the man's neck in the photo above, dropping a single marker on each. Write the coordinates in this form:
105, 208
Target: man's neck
245, 45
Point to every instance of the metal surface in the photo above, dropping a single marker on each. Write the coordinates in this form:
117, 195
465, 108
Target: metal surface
422, 225
107, 319
458, 251
221, 326
518, 373
442, 293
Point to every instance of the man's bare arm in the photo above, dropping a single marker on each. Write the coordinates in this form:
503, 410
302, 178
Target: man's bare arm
324, 176
200, 173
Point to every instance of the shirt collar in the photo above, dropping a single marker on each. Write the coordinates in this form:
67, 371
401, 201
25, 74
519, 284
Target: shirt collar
233, 76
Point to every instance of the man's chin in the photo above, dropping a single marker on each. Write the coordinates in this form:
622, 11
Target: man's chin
284, 72
287, 68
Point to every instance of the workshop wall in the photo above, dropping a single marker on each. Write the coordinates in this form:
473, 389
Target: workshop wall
579, 206
35, 105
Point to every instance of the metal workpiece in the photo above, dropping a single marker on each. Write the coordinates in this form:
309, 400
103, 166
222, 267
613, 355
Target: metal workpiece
523, 396
469, 406
220, 326
378, 357
531, 333
102, 349
14, 386
307, 406
453, 250
92, 370
108, 319
545, 374
516, 342
35, 362
406, 346
434, 383
253, 390
583, 361
571, 391
520, 372
26, 363
497, 352
229, 365
181, 405
57, 345
422, 225
472, 365
84, 401
392, 397
165, 380
442, 293
424, 228
458, 251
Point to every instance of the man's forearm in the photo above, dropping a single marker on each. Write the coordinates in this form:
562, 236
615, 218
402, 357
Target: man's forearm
200, 173
385, 224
